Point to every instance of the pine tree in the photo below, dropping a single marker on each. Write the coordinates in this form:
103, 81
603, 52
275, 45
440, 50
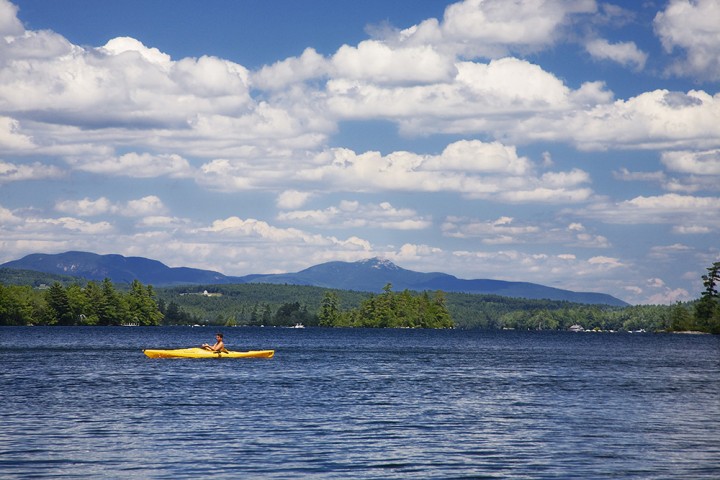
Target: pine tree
59, 304
707, 310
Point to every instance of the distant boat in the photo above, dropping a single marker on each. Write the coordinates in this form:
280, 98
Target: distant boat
576, 328
298, 325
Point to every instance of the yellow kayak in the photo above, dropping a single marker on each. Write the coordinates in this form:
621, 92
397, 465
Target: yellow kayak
202, 353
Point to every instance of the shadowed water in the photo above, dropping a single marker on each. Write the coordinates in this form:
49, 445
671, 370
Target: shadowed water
341, 403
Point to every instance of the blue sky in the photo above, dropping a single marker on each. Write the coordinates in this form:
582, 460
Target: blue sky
574, 144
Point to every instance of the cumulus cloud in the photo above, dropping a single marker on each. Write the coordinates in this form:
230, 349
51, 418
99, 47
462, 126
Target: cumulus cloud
352, 214
472, 168
669, 296
693, 162
137, 165
683, 212
694, 29
605, 262
657, 119
9, 23
237, 227
7, 216
376, 61
11, 137
628, 176
66, 224
123, 83
11, 172
493, 28
292, 199
477, 156
501, 89
292, 70
624, 53
506, 230
501, 230
86, 207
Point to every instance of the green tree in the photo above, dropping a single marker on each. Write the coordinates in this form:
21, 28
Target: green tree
16, 307
707, 309
142, 307
112, 309
78, 303
94, 301
329, 309
681, 318
59, 305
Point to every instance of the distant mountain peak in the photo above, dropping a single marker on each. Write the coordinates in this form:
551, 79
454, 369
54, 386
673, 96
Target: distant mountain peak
379, 263
369, 275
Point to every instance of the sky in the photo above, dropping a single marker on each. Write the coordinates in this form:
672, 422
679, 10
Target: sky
571, 143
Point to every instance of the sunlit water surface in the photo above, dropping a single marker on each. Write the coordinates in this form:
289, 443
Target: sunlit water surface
342, 403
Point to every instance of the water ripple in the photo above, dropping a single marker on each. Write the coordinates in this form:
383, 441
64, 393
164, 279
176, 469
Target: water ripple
360, 404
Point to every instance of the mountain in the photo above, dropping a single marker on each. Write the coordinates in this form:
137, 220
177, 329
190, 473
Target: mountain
373, 274
117, 268
369, 275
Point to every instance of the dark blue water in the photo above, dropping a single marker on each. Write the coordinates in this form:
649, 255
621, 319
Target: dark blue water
339, 403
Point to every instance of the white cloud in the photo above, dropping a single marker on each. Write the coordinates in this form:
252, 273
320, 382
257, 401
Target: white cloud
85, 207
489, 171
252, 228
624, 53
628, 176
120, 45
7, 216
501, 230
669, 296
162, 221
492, 28
11, 138
123, 83
291, 71
477, 156
694, 28
292, 199
137, 165
658, 119
663, 252
352, 214
684, 212
146, 206
505, 86
691, 229
11, 172
67, 224
379, 63
505, 230
698, 163
9, 23
608, 262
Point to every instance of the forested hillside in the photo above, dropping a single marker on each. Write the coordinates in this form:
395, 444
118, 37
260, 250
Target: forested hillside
90, 303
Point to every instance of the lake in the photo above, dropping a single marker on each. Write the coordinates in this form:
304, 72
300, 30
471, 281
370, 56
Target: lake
84, 402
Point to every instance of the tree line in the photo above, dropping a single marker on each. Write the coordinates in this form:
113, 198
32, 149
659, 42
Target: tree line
286, 305
388, 310
91, 304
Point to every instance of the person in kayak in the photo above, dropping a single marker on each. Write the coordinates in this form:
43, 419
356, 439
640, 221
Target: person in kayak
219, 344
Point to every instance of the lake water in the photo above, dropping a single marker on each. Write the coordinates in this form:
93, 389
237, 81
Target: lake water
342, 403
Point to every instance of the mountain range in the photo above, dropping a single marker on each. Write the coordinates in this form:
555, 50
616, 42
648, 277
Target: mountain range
370, 275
